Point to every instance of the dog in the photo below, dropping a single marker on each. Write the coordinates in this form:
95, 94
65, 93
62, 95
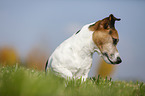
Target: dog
73, 57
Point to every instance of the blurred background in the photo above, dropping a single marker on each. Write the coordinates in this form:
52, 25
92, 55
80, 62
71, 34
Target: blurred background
30, 30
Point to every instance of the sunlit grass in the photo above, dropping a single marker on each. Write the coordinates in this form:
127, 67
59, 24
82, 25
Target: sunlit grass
20, 81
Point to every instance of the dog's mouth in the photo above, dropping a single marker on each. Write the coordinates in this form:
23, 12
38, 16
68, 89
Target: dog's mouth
109, 61
106, 55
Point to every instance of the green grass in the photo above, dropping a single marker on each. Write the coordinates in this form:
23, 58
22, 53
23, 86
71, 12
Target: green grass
20, 81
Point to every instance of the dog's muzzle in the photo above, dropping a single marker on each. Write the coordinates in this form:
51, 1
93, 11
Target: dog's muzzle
117, 60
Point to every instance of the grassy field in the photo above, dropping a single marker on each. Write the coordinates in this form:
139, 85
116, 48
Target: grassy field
20, 81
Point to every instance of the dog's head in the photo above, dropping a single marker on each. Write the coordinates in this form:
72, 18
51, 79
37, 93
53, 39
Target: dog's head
106, 37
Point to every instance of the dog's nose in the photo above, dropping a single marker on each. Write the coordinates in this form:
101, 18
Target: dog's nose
118, 60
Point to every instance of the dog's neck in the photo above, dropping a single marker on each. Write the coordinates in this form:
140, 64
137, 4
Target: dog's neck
85, 41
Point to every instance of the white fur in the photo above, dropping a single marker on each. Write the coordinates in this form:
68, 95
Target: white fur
73, 57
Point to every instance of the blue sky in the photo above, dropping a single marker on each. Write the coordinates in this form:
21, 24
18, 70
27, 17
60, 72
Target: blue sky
28, 23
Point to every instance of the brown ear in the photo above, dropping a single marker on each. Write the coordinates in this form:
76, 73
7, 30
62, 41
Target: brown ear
112, 20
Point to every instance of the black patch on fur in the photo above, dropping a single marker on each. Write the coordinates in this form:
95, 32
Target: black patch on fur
77, 32
105, 26
46, 65
115, 41
110, 32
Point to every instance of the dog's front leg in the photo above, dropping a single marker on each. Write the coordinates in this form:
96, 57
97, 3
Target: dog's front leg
82, 73
85, 74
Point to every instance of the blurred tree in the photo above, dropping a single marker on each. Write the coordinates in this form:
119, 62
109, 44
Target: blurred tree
37, 58
105, 69
8, 56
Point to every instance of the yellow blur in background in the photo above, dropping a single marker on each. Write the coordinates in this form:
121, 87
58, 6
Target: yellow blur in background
8, 56
105, 69
35, 59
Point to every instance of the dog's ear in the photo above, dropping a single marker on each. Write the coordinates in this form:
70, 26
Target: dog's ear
95, 26
105, 23
112, 20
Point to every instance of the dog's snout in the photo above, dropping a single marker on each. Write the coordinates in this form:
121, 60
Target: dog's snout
118, 60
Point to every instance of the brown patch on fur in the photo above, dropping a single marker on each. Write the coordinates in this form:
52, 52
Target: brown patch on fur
94, 26
114, 33
104, 30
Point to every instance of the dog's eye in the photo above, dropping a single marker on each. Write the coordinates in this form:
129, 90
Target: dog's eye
115, 41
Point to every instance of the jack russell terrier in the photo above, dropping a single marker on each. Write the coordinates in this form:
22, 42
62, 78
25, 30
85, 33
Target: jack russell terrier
73, 57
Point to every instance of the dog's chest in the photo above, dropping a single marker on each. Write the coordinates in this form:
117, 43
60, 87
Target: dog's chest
74, 55
79, 63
